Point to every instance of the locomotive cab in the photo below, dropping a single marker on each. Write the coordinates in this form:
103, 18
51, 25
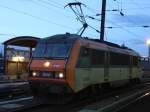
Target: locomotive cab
48, 65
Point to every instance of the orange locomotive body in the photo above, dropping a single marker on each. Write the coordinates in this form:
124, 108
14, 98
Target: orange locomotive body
68, 63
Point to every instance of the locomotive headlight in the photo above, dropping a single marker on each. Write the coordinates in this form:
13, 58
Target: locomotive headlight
47, 64
61, 75
34, 74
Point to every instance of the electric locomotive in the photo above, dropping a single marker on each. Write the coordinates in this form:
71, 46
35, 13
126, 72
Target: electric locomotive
68, 63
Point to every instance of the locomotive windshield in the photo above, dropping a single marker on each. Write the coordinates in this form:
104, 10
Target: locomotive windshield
52, 50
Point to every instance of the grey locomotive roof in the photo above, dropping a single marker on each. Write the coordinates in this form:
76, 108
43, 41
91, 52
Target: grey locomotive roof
62, 38
73, 37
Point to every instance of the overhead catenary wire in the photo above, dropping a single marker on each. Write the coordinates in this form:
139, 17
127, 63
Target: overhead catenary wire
89, 8
94, 28
138, 7
45, 2
118, 26
57, 3
142, 26
53, 5
36, 17
129, 32
50, 9
50, 3
111, 27
122, 27
121, 8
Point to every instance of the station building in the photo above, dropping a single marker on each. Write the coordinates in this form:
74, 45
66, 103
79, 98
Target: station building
17, 54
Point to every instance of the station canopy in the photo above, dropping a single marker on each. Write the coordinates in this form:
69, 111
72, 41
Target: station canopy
23, 41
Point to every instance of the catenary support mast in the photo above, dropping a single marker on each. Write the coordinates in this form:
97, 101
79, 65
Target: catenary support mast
102, 27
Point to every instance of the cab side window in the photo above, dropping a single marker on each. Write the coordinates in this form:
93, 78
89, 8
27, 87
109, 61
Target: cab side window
84, 57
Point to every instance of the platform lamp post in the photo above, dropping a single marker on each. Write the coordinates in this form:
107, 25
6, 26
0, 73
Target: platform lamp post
148, 43
18, 59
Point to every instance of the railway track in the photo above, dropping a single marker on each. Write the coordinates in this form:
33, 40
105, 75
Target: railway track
78, 103
114, 94
11, 89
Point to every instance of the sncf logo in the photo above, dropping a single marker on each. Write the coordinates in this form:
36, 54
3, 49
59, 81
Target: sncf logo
56, 65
